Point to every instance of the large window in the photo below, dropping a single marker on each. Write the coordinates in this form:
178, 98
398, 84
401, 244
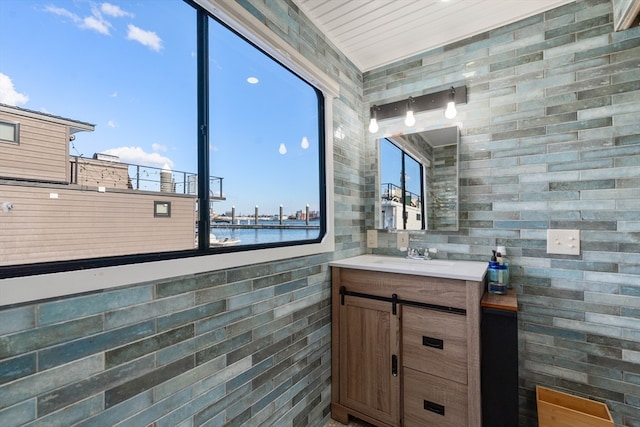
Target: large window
121, 101
265, 141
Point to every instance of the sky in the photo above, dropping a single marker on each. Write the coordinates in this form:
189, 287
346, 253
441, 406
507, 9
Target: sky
391, 167
129, 67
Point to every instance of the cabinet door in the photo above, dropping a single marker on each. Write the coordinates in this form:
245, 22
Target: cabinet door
369, 358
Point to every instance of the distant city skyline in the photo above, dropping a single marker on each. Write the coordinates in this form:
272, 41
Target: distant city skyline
79, 65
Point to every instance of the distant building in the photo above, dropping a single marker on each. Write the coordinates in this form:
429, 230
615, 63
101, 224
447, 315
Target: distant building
65, 207
302, 215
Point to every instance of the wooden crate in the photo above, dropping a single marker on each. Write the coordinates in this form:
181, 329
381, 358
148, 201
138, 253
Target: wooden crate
557, 409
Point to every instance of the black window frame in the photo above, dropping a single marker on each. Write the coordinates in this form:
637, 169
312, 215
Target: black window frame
203, 249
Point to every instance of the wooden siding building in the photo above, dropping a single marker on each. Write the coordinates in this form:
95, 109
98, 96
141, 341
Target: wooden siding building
57, 207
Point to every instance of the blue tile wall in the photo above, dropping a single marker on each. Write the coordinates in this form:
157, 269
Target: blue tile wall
246, 346
550, 139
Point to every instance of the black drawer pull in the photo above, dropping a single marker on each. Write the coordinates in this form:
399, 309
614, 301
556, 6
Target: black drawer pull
433, 342
434, 407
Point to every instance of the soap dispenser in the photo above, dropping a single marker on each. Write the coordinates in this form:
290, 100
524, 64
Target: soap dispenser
496, 276
501, 257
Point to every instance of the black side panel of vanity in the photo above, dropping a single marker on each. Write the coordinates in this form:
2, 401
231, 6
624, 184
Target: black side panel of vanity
499, 367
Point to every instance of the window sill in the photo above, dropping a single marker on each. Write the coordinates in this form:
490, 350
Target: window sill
18, 290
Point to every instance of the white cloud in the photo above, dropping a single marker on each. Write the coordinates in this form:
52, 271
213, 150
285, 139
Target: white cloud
63, 12
146, 38
114, 95
114, 10
136, 155
158, 147
112, 124
96, 23
8, 94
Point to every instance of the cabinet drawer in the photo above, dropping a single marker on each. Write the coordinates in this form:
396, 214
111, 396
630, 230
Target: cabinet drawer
433, 401
435, 342
423, 289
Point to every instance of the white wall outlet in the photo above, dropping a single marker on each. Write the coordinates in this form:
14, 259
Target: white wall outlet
102, 189
53, 195
372, 238
565, 242
403, 239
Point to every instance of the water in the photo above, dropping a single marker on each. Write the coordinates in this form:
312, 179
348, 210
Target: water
248, 236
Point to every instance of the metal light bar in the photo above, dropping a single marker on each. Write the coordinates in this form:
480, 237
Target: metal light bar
426, 102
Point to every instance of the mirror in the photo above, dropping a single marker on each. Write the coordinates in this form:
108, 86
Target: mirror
418, 176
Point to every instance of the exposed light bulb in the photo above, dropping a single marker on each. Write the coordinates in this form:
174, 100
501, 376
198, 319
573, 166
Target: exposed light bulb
451, 111
373, 125
305, 143
410, 120
282, 149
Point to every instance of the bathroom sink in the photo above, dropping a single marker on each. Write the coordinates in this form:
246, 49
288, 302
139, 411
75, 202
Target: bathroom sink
454, 269
417, 262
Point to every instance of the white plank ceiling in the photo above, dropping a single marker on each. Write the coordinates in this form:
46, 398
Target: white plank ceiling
373, 33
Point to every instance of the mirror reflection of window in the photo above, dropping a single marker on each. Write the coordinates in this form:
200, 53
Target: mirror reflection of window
419, 180
401, 190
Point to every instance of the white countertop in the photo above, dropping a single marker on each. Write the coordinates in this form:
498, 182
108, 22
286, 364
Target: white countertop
449, 269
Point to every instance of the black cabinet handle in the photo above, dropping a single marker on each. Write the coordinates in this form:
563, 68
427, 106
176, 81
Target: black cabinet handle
394, 303
434, 407
394, 365
433, 342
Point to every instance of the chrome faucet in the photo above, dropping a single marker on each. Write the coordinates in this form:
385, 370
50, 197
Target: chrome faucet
413, 253
417, 253
429, 251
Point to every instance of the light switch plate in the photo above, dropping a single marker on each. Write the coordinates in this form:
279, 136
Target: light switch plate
372, 238
403, 239
565, 242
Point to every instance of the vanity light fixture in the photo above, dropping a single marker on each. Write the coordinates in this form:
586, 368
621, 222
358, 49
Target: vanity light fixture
451, 111
447, 98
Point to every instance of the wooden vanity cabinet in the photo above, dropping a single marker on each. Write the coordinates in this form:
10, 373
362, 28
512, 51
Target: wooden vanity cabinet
405, 349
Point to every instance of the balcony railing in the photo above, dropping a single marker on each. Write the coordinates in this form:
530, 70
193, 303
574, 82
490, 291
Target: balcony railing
115, 174
394, 193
